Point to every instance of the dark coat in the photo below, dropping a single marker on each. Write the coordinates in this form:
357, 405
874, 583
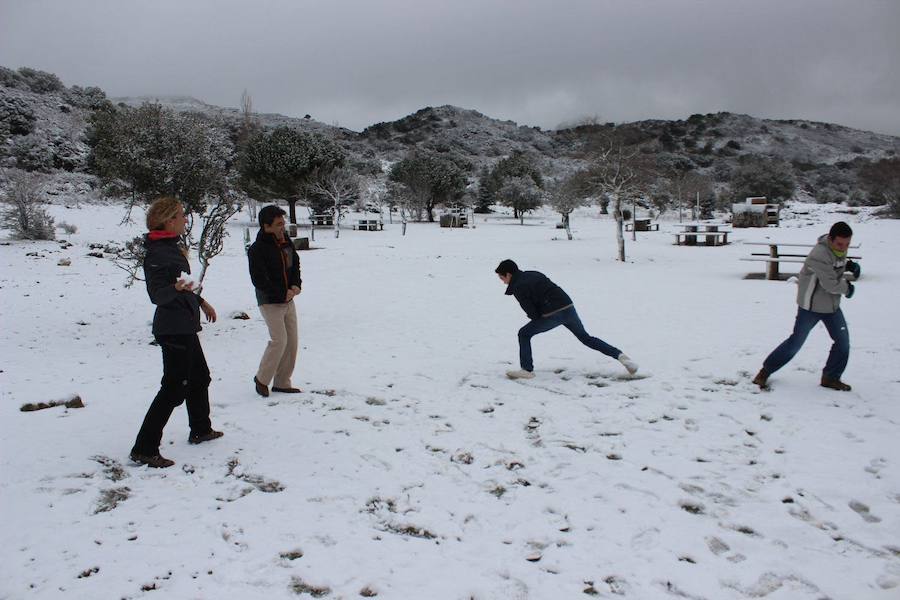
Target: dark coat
177, 313
269, 272
537, 295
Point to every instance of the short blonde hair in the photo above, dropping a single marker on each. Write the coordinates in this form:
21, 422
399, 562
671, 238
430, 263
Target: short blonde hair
162, 210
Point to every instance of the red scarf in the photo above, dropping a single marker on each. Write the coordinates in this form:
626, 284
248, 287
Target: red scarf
158, 234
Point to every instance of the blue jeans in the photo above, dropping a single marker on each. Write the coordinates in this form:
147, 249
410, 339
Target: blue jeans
567, 317
806, 320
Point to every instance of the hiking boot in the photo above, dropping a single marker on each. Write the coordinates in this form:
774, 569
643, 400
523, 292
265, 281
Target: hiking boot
156, 461
761, 378
520, 374
834, 384
199, 438
629, 364
261, 388
287, 390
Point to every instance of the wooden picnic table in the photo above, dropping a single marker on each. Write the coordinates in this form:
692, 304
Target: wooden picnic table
641, 225
368, 225
323, 220
776, 257
691, 231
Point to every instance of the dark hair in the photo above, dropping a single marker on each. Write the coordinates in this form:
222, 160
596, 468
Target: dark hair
840, 229
268, 214
506, 267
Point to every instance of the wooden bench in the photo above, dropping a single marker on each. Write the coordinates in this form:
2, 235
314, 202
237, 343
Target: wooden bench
773, 258
326, 220
641, 225
368, 225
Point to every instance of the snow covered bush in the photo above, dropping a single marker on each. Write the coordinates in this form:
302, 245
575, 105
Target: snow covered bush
23, 215
92, 98
40, 82
16, 117
33, 153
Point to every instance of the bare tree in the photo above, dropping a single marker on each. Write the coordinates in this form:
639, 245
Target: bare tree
695, 186
623, 173
341, 187
404, 198
249, 126
213, 232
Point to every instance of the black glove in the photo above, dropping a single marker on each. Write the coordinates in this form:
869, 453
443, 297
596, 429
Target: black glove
850, 289
853, 268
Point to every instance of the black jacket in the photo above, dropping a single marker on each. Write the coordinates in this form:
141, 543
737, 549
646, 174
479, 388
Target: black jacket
269, 272
537, 295
177, 313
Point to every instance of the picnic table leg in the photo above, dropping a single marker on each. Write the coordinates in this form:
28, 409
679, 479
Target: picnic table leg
772, 268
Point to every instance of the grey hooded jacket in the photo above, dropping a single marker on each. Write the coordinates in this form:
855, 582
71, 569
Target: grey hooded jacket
822, 280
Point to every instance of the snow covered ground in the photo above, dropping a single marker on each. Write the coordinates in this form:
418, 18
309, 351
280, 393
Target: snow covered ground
411, 468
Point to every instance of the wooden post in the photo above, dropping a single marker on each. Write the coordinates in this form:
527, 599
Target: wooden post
772, 268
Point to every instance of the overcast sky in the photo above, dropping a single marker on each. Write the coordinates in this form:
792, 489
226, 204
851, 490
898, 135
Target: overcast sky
358, 62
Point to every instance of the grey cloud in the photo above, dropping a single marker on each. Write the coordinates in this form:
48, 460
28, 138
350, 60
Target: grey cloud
357, 62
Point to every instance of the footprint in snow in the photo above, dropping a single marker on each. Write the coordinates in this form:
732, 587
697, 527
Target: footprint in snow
863, 511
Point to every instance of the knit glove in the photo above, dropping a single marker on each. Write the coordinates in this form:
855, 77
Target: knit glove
850, 289
853, 268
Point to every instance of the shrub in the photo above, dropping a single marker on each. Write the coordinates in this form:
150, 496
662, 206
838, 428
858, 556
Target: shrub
40, 82
16, 118
91, 98
23, 215
67, 227
32, 153
11, 79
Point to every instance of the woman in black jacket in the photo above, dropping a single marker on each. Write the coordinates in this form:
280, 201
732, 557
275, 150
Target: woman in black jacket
175, 326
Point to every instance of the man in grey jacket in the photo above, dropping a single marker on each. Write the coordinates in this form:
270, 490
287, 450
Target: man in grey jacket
819, 292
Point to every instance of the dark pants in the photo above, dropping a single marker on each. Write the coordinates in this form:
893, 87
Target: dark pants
185, 379
568, 318
806, 320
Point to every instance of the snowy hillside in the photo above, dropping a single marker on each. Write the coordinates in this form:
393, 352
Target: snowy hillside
412, 468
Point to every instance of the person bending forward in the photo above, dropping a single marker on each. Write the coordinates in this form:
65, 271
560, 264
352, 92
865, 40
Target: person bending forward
548, 307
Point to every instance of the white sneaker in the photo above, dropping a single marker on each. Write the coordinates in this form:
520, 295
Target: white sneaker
520, 374
628, 363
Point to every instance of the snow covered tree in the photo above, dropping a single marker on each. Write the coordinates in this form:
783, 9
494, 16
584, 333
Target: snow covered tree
518, 164
280, 163
485, 196
150, 151
430, 179
760, 176
521, 194
566, 195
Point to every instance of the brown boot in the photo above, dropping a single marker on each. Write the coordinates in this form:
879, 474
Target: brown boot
199, 438
156, 461
261, 388
834, 384
761, 378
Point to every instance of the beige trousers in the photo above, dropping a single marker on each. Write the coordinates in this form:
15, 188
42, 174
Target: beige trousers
281, 351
